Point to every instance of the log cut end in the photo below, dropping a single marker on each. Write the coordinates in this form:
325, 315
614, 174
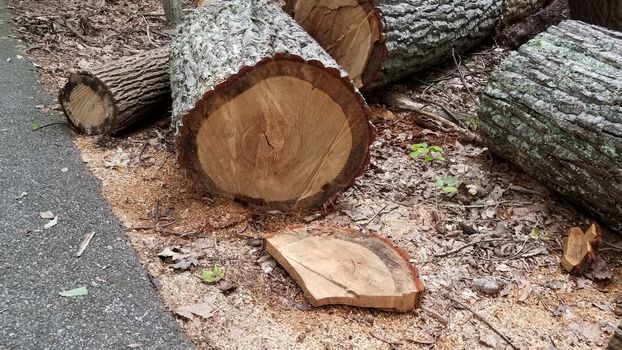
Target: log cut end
349, 30
338, 266
286, 133
88, 104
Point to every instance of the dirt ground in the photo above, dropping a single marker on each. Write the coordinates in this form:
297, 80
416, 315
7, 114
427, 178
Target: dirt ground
508, 229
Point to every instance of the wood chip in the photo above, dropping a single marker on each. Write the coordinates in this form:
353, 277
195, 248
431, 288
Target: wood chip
339, 266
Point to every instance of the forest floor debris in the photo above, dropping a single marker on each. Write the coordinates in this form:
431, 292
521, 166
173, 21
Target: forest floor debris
503, 226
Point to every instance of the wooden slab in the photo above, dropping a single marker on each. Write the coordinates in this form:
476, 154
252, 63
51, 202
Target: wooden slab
339, 266
579, 248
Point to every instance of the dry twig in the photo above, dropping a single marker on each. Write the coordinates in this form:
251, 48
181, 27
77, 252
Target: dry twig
482, 319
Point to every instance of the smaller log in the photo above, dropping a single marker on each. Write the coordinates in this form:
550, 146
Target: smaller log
337, 266
108, 99
605, 13
519, 33
172, 11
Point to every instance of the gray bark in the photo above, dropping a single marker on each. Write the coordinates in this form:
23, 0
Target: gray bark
217, 42
606, 13
172, 11
420, 33
554, 108
137, 86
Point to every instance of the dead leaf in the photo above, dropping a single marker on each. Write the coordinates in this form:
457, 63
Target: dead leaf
525, 293
589, 332
21, 195
173, 253
85, 243
47, 215
185, 264
51, 223
203, 310
600, 270
267, 263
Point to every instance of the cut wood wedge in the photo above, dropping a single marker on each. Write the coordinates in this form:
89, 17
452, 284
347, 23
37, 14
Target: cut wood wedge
339, 266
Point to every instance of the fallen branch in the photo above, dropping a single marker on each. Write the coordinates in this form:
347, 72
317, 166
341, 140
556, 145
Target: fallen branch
403, 102
482, 319
442, 255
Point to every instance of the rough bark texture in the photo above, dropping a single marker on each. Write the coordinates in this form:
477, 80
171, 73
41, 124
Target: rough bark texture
554, 107
108, 99
172, 11
220, 54
606, 13
417, 34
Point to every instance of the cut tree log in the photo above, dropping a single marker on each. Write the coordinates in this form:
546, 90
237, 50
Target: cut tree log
606, 13
383, 40
338, 266
554, 108
264, 115
519, 33
172, 11
108, 99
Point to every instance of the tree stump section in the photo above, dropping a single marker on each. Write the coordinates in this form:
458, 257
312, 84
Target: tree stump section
338, 266
554, 108
383, 40
606, 13
112, 97
264, 115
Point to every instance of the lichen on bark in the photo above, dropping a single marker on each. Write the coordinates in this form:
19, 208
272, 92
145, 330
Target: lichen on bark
554, 107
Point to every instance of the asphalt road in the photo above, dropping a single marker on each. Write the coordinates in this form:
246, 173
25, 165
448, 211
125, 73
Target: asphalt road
122, 308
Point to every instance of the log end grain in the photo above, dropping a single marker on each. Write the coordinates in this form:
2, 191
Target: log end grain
349, 30
88, 104
286, 133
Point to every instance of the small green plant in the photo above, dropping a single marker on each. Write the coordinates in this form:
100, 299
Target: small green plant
472, 122
535, 233
428, 153
212, 275
448, 184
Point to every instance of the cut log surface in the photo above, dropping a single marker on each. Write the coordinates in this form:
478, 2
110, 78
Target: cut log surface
554, 108
580, 248
606, 13
264, 115
383, 40
338, 266
108, 99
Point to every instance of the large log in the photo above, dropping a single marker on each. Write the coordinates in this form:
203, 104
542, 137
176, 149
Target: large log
264, 115
108, 99
554, 107
606, 13
379, 41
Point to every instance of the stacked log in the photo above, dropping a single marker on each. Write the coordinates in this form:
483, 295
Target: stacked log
263, 114
606, 13
380, 41
110, 98
554, 107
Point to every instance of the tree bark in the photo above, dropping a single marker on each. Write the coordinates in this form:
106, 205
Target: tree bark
554, 107
110, 98
264, 115
172, 11
606, 13
381, 41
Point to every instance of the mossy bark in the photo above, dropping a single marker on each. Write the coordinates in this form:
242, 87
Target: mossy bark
554, 107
